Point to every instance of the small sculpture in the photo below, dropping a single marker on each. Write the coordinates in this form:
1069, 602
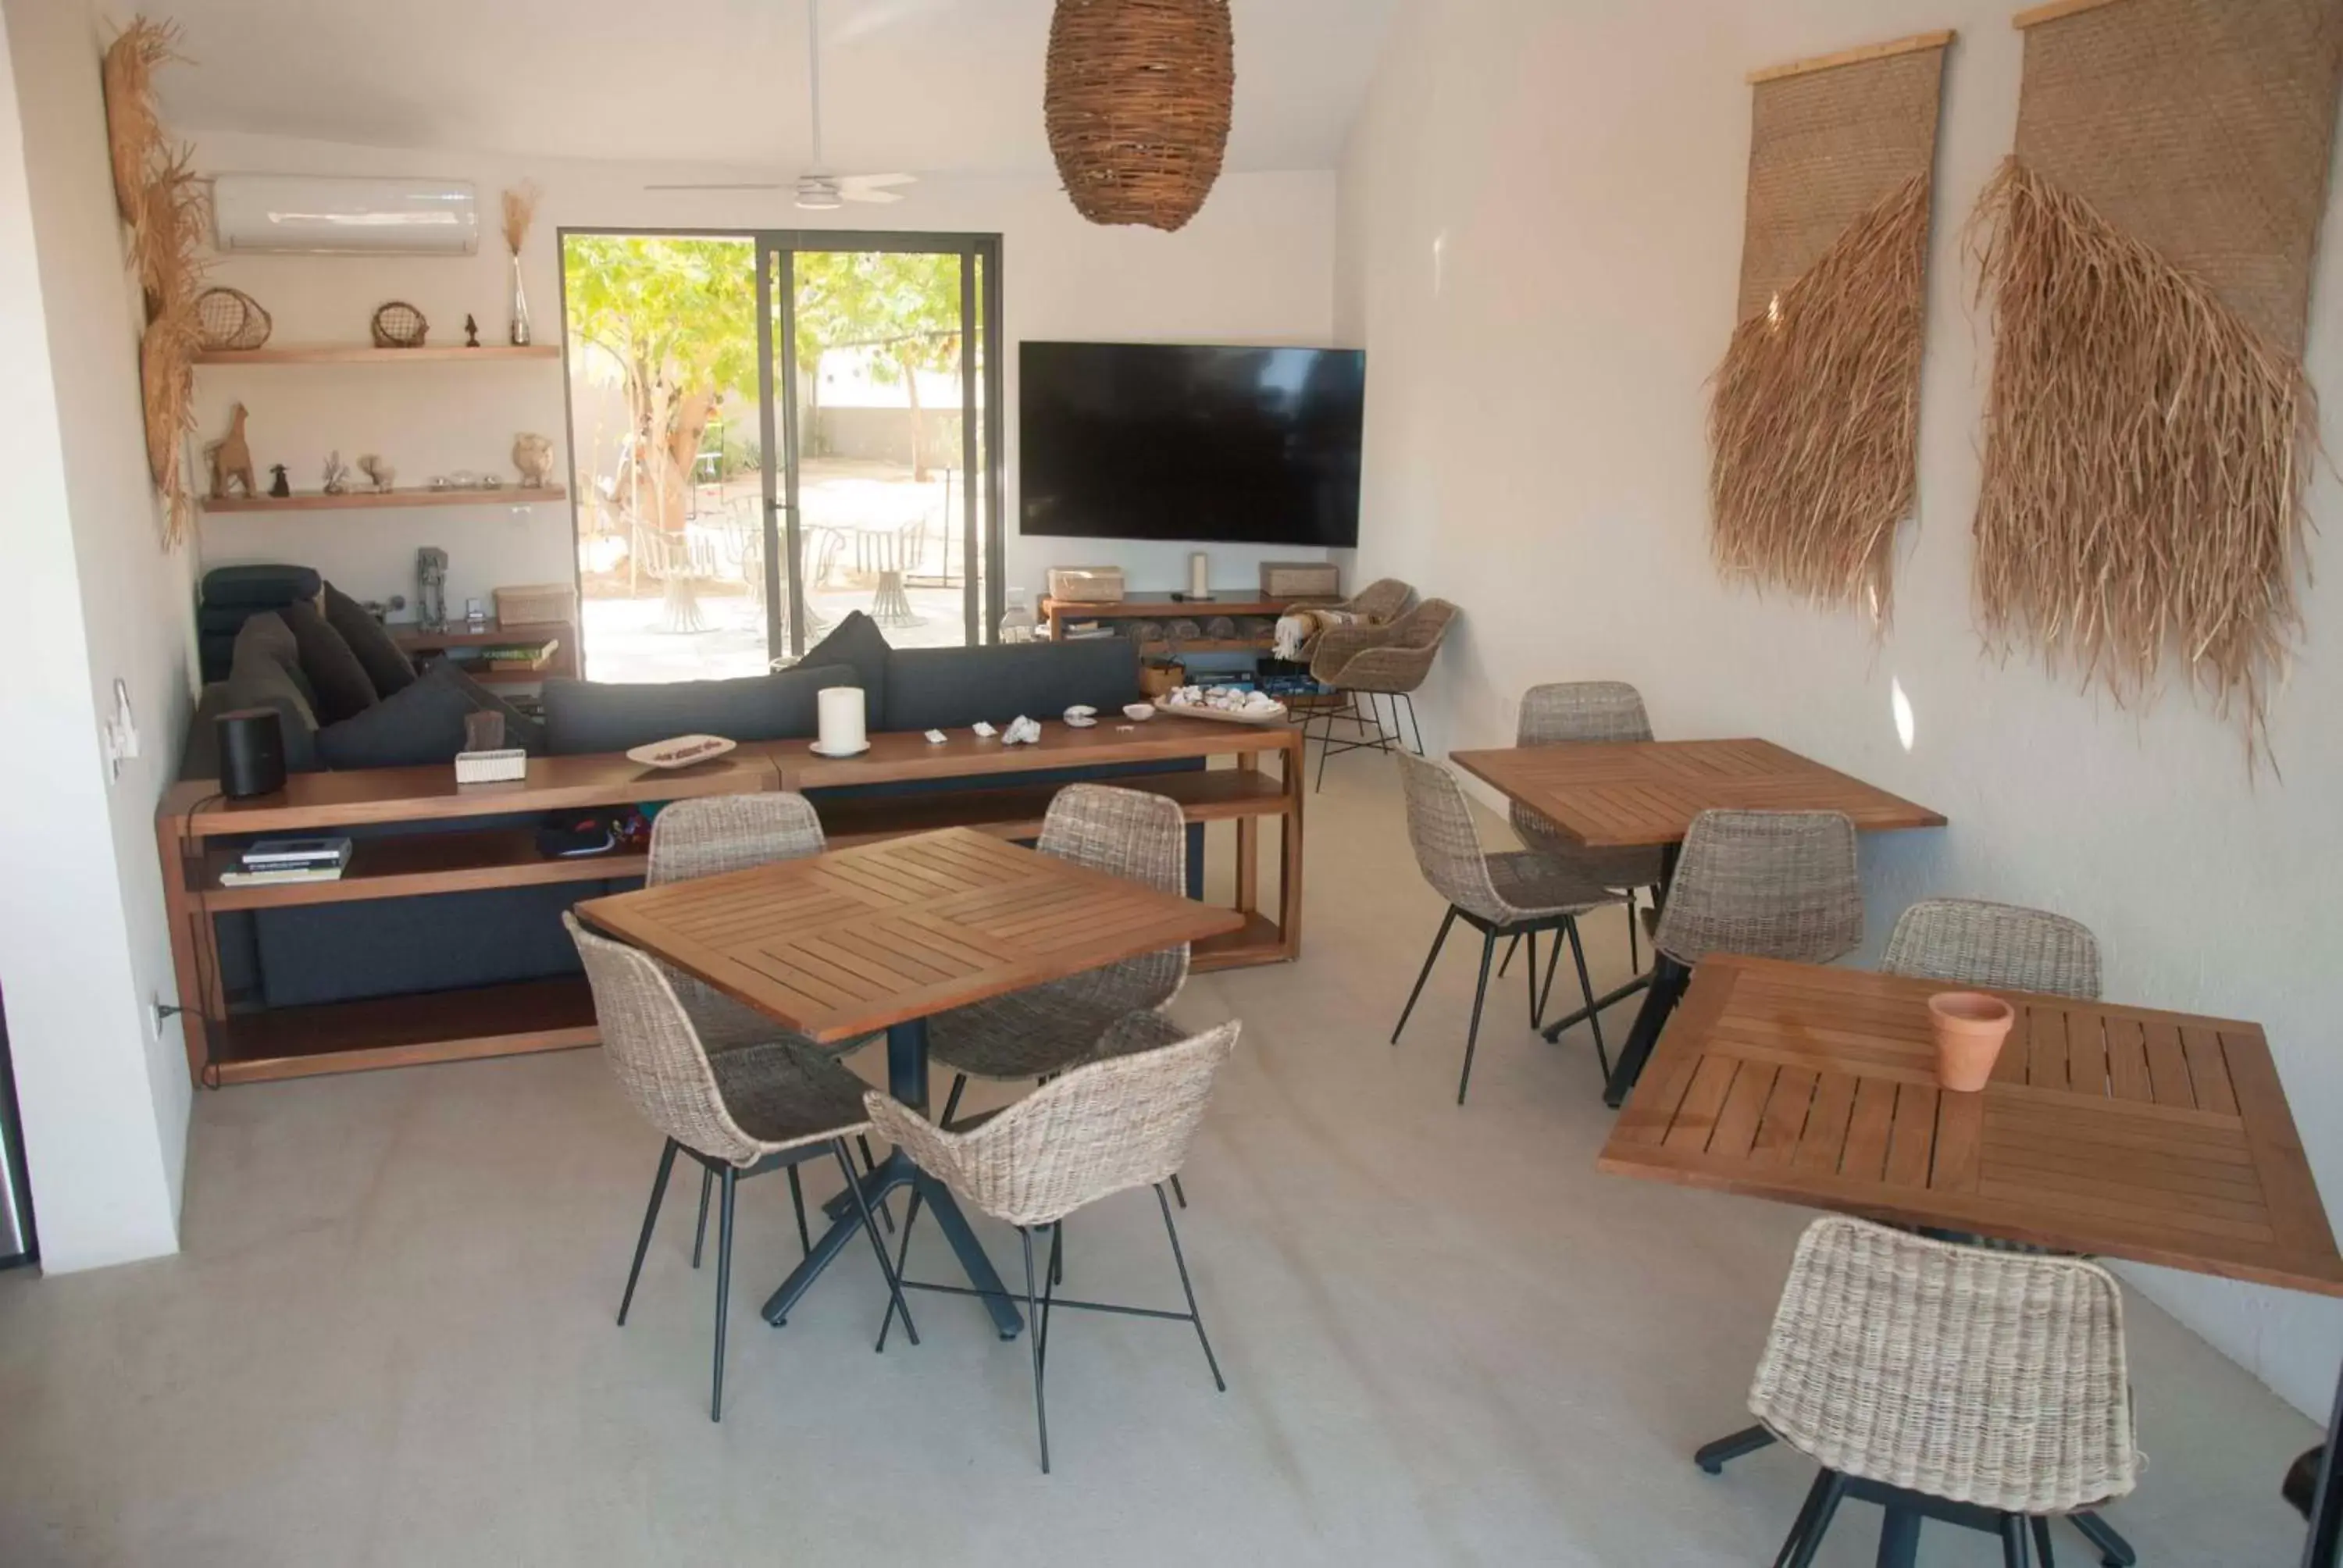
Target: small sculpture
279, 485
431, 591
378, 472
533, 456
471, 332
231, 459
337, 475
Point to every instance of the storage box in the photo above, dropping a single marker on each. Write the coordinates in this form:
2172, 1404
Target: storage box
1301, 579
535, 604
1086, 585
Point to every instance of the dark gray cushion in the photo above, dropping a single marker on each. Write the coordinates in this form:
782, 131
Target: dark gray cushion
858, 643
951, 688
262, 675
263, 587
423, 724
342, 688
385, 662
582, 715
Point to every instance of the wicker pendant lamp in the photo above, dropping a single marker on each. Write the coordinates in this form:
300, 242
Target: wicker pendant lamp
1137, 105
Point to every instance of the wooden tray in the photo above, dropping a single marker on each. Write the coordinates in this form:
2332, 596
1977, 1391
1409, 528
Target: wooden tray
1221, 716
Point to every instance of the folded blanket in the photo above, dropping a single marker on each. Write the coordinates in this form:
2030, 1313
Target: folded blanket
1299, 630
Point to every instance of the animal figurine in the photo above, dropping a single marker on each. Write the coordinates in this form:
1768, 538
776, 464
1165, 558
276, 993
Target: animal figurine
337, 475
379, 472
471, 333
231, 459
533, 456
431, 589
279, 485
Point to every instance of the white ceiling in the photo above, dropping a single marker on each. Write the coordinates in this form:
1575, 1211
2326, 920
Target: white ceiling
934, 87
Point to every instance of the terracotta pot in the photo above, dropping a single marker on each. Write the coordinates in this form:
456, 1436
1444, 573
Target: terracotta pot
1970, 1028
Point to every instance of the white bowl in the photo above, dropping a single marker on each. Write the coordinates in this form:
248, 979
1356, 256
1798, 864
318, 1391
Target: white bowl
1138, 710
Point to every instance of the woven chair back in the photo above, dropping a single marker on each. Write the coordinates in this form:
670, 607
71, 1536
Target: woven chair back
1775, 884
2002, 946
723, 833
1136, 836
1385, 599
653, 1052
1569, 712
1991, 1378
1115, 1123
1447, 846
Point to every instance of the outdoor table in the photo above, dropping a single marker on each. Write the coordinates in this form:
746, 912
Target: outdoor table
883, 935
1632, 794
2105, 1130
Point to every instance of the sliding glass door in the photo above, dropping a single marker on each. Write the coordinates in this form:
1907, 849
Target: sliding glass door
775, 429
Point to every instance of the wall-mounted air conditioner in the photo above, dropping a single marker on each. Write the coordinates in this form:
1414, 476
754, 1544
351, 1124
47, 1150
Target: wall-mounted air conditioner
345, 216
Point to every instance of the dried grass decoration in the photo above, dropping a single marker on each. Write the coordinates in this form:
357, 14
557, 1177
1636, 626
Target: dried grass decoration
2147, 251
519, 212
1814, 416
163, 201
1136, 103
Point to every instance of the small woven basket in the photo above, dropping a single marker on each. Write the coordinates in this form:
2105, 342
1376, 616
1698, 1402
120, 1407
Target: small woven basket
1136, 103
399, 325
231, 318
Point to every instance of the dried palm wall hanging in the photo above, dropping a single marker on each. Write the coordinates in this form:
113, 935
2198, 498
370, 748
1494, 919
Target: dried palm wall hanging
1814, 422
2147, 252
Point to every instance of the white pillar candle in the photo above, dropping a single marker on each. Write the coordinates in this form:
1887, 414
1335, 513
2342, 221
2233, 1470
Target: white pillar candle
1199, 575
841, 718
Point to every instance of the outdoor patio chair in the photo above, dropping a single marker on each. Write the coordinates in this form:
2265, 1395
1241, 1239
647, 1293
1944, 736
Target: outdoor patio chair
1389, 662
1578, 712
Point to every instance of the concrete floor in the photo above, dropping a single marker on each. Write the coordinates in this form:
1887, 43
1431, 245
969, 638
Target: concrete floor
1448, 1340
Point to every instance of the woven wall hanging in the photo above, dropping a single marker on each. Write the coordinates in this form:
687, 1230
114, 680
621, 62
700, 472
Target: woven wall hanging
1136, 103
2147, 251
1814, 418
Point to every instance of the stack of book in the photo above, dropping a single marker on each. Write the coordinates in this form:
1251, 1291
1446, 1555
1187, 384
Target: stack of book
534, 654
272, 861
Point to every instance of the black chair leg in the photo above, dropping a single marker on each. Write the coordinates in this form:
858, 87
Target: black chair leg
2042, 1543
1635, 935
952, 1100
1325, 744
723, 1286
1179, 1193
1814, 1522
2115, 1551
1033, 1333
902, 1256
1534, 1009
1479, 993
895, 1302
1409, 697
796, 1202
886, 1215
650, 1218
1188, 1289
1505, 964
2013, 1553
1587, 989
699, 1232
1425, 973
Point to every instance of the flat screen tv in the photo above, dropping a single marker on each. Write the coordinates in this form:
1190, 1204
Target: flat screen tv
1162, 441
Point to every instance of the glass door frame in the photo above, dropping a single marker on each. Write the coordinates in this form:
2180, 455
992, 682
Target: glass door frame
979, 372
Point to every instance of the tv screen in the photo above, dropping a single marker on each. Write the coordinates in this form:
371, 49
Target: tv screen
1158, 441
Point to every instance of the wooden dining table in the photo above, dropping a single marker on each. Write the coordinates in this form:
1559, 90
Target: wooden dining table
2120, 1132
884, 936
1646, 794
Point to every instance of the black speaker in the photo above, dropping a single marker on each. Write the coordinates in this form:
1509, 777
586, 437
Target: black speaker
251, 752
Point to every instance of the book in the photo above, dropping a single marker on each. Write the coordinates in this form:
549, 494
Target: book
264, 852
273, 878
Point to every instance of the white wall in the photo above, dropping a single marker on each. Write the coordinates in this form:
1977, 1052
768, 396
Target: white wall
1255, 267
1540, 218
94, 597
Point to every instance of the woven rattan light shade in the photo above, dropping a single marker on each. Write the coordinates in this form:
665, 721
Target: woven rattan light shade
1137, 105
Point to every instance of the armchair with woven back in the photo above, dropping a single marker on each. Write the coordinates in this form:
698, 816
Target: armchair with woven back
1382, 662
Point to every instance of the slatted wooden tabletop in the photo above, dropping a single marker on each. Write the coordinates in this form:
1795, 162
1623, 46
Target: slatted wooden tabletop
1617, 794
840, 944
2155, 1136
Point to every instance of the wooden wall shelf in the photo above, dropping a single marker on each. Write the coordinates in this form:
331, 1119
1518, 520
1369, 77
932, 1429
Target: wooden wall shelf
362, 500
360, 353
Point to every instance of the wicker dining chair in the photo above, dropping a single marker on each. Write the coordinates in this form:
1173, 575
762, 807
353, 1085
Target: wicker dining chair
1945, 1379
1571, 712
2002, 947
739, 1113
1121, 1121
1386, 662
1515, 892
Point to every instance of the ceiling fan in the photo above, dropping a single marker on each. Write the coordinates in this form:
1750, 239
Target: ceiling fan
818, 189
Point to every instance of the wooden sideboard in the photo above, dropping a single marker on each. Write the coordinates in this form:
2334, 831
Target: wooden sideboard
1234, 604
199, 835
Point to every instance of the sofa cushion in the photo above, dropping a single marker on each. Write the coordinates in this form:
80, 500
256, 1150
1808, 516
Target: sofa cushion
385, 662
259, 587
583, 715
421, 725
948, 688
265, 674
340, 682
858, 643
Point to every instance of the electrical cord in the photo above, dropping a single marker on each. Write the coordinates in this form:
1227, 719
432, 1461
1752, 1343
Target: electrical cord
208, 942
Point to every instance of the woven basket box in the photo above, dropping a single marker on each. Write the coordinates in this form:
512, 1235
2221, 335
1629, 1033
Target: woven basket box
535, 604
1301, 579
1086, 585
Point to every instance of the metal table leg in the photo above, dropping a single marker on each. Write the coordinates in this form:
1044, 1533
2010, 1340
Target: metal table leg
907, 1081
2324, 1547
1669, 978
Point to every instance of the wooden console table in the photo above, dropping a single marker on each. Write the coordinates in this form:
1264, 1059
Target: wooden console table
1056, 613
461, 634
199, 836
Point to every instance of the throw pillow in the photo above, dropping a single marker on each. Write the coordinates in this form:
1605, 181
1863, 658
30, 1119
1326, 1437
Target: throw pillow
340, 681
265, 636
421, 725
585, 716
858, 643
385, 662
259, 679
259, 587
